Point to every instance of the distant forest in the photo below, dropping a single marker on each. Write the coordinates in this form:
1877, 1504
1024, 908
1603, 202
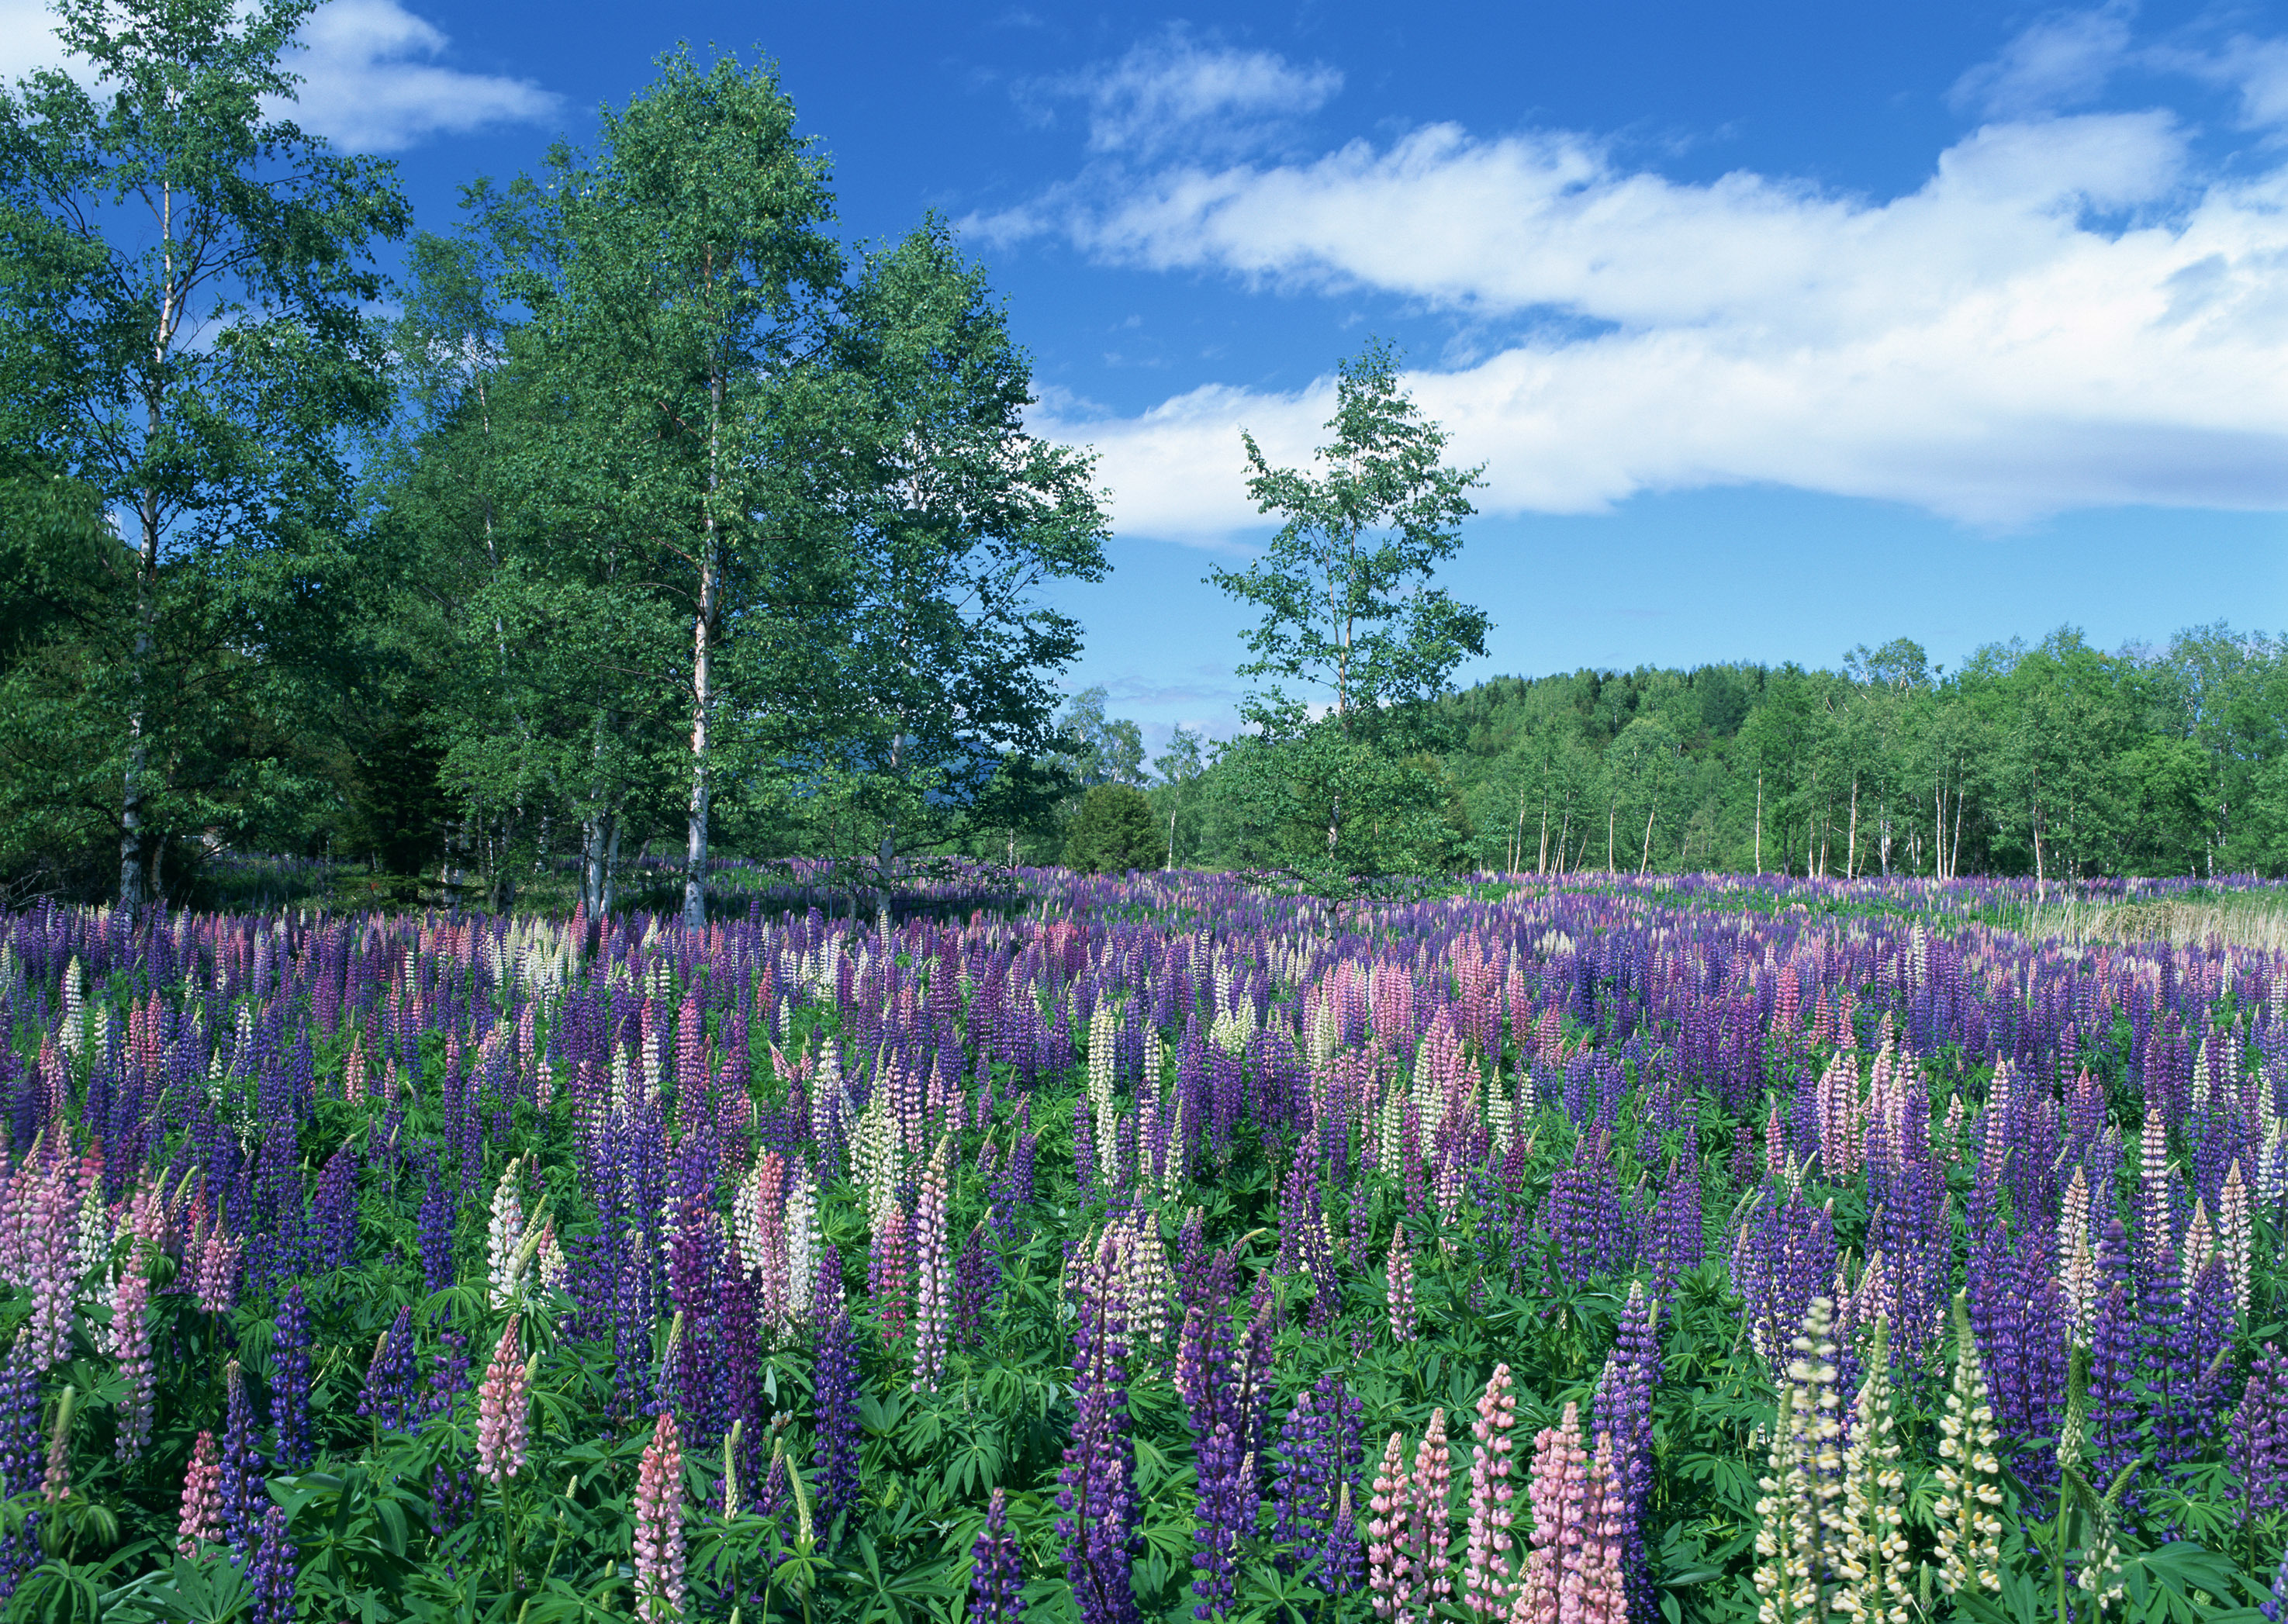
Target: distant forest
2056, 759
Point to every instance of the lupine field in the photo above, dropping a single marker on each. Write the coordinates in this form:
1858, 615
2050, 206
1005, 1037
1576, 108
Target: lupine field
1147, 1249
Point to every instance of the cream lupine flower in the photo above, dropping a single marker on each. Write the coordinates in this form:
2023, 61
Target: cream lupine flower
2077, 1260
1801, 1518
2236, 1234
504, 1235
1969, 1506
1872, 1564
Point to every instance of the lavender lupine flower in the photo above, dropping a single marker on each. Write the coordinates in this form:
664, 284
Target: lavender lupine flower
932, 1271
272, 1572
1488, 1572
242, 1492
290, 1381
20, 1465
129, 1337
200, 1520
2275, 1607
1099, 1497
2257, 1446
835, 1424
659, 1523
889, 1272
503, 1420
997, 1568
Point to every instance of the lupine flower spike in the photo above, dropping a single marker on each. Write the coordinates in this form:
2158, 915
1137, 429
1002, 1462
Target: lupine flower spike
1968, 1508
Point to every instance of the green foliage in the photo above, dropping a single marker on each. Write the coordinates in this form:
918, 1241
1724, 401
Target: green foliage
1113, 832
197, 364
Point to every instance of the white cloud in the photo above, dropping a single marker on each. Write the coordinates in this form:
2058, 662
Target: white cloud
2066, 314
370, 81
2062, 60
1173, 94
370, 74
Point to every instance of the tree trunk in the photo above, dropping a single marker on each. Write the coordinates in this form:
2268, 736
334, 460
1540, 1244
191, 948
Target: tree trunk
702, 678
1541, 859
1851, 842
1644, 863
1759, 825
1612, 810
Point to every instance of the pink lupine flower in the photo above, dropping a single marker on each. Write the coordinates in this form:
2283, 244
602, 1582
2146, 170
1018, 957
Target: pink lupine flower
503, 1418
1386, 1551
1604, 1589
1426, 1517
201, 1522
1487, 1575
659, 1524
1399, 1289
214, 1280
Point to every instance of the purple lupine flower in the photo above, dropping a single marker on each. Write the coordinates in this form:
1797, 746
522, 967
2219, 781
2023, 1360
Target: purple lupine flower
1581, 1215
22, 1466
2275, 1607
290, 1381
2257, 1446
242, 1491
336, 1205
388, 1399
1314, 1478
835, 1384
273, 1572
996, 1569
436, 1233
1098, 1499
2117, 1359
1084, 1149
976, 1281
1675, 1240
1623, 1411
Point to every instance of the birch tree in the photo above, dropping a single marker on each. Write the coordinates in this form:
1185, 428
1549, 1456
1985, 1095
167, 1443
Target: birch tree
694, 292
1351, 619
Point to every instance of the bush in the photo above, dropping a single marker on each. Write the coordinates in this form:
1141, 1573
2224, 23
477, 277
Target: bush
1113, 832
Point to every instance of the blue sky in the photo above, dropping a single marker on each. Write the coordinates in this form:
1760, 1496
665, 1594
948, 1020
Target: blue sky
1780, 327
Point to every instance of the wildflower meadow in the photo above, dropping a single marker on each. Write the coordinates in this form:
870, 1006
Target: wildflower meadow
1147, 1248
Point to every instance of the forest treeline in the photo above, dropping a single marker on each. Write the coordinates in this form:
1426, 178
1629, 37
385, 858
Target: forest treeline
641, 520
2055, 759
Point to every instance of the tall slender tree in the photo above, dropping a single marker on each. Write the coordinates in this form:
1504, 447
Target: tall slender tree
1351, 619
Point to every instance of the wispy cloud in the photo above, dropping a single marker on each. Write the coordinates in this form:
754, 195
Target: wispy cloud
374, 76
1175, 93
2061, 61
2068, 312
